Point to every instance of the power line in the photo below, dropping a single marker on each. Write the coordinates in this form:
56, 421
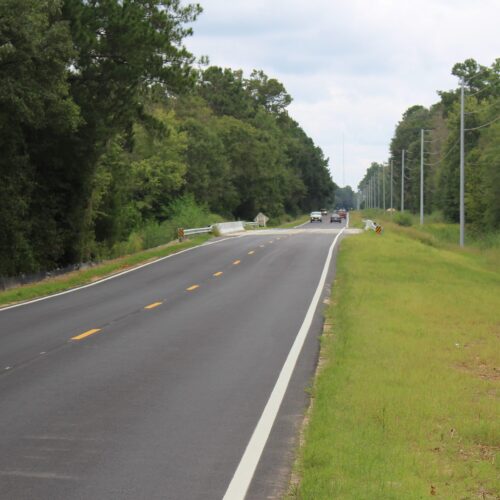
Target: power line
483, 108
487, 87
445, 156
484, 125
433, 153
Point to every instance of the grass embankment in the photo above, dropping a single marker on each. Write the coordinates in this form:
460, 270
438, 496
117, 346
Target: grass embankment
77, 278
295, 222
405, 404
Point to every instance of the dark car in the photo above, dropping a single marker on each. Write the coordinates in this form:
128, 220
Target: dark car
335, 217
324, 211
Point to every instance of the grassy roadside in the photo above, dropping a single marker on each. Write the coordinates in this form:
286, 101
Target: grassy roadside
65, 282
296, 222
405, 405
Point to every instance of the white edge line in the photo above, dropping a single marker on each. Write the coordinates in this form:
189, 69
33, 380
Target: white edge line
243, 475
113, 275
303, 224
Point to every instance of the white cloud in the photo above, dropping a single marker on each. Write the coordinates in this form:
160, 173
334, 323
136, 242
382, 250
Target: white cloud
352, 66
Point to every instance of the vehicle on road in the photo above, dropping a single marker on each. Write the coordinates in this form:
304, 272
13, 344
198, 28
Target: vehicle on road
316, 216
335, 217
324, 211
343, 213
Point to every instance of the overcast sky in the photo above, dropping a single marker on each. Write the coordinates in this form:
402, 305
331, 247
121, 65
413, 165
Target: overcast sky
352, 66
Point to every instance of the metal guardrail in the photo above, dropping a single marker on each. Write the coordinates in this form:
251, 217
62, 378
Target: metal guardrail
197, 230
182, 233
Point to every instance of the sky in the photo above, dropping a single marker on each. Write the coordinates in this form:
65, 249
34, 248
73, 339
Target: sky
352, 67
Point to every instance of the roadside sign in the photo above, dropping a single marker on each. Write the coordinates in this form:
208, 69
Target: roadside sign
378, 229
261, 219
180, 233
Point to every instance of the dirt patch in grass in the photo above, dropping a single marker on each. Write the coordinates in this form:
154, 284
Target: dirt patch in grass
480, 370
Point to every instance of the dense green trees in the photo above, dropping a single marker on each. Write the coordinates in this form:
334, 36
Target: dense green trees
106, 128
345, 198
441, 150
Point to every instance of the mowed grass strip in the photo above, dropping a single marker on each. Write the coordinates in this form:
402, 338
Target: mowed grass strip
64, 282
405, 405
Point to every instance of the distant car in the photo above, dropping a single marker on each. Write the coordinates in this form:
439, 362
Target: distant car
343, 213
315, 216
324, 211
335, 217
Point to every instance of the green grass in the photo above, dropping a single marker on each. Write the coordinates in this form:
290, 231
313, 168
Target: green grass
405, 405
295, 222
77, 278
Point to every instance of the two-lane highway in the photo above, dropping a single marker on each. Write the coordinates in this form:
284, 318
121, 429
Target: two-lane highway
150, 385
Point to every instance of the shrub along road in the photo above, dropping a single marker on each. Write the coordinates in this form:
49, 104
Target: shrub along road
150, 384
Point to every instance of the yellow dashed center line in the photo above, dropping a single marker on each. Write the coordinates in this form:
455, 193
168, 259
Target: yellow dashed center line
153, 305
218, 273
236, 262
193, 287
251, 252
86, 334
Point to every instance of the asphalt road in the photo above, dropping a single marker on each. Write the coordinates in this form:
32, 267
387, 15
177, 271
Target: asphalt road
150, 385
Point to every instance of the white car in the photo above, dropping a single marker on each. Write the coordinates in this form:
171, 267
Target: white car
316, 216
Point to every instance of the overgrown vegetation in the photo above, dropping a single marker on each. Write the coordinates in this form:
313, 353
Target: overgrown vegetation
406, 405
441, 153
106, 123
403, 219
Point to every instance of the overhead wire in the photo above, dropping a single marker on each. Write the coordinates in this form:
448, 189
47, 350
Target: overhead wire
483, 125
487, 87
445, 156
483, 108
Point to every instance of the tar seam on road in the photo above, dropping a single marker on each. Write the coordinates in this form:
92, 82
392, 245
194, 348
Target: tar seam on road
32, 301
240, 482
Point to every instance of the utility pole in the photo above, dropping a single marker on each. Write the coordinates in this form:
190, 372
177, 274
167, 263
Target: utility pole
402, 180
462, 169
343, 168
383, 186
374, 184
392, 206
422, 177
378, 189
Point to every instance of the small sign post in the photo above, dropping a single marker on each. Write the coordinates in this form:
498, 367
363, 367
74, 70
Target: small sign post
180, 233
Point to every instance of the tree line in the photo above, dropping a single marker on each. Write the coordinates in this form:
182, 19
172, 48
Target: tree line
108, 124
441, 123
